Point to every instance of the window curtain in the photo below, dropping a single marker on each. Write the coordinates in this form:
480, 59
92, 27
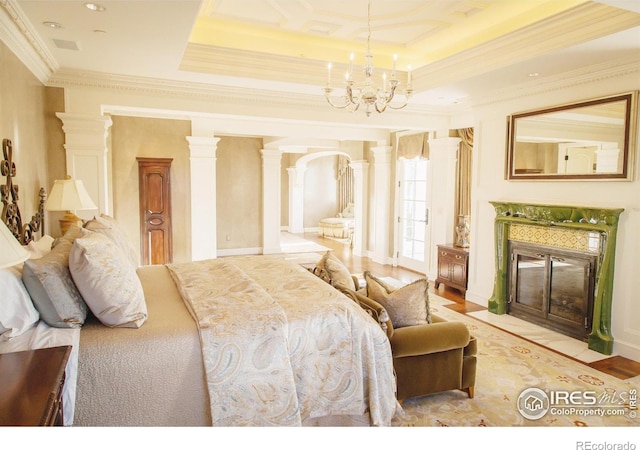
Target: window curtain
345, 183
463, 175
413, 145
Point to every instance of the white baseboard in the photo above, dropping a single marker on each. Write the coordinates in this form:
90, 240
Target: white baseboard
240, 251
626, 349
478, 299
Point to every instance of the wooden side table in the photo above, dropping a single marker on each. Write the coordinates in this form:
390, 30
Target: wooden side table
31, 385
453, 265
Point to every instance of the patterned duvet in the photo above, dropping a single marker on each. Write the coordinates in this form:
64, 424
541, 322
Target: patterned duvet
281, 347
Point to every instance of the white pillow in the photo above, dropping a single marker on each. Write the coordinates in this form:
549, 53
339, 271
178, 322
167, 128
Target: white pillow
107, 281
17, 313
41, 247
108, 226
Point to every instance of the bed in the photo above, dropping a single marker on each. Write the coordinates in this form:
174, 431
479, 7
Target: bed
235, 341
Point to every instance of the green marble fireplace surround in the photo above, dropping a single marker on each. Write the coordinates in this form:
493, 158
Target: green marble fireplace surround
598, 223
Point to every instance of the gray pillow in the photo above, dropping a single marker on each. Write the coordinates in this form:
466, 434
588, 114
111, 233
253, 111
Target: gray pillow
52, 289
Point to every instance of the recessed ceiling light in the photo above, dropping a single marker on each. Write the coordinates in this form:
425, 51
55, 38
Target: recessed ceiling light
51, 24
94, 7
534, 74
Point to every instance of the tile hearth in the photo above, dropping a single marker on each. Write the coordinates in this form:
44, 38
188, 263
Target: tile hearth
561, 343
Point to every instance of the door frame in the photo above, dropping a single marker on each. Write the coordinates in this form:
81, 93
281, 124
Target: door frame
397, 231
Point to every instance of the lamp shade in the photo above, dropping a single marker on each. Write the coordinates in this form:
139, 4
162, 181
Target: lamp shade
11, 252
69, 195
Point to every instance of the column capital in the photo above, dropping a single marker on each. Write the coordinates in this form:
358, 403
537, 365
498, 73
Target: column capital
85, 130
203, 147
271, 153
296, 174
359, 164
381, 155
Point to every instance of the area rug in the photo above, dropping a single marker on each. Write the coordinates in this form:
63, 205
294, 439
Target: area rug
520, 383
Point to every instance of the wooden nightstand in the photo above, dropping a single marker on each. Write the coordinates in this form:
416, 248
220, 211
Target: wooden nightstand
453, 265
31, 386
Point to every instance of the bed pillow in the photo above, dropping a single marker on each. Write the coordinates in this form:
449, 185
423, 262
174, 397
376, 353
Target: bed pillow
107, 281
72, 233
17, 313
109, 227
39, 248
52, 289
332, 270
407, 305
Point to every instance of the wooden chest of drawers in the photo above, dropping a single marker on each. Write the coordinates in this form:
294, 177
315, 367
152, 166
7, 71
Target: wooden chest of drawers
453, 266
31, 385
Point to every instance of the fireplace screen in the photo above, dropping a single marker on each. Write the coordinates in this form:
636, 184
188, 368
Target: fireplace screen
552, 288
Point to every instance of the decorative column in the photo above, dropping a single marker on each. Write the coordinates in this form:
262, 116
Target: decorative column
381, 205
202, 160
296, 198
442, 156
360, 189
86, 154
271, 201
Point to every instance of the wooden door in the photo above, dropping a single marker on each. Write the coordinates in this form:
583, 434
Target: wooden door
154, 183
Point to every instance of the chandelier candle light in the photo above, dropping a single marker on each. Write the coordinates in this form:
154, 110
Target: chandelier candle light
366, 93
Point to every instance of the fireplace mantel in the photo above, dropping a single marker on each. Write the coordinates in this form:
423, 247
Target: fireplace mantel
604, 221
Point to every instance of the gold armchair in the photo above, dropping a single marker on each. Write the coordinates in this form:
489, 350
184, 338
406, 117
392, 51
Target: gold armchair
428, 358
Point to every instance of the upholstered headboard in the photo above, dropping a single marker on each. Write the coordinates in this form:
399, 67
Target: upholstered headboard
24, 233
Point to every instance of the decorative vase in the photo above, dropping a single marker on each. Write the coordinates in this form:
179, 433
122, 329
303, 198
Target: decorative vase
462, 231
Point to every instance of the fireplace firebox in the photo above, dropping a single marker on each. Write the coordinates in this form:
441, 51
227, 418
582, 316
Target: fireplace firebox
552, 287
574, 243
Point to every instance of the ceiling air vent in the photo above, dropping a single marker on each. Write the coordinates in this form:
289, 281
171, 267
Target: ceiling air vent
66, 45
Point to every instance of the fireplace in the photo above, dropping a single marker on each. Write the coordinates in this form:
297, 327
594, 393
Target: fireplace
555, 267
552, 287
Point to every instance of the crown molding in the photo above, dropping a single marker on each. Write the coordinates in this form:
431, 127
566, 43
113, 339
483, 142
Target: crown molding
575, 26
20, 37
567, 80
219, 93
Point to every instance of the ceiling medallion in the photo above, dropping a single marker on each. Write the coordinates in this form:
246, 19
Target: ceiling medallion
366, 93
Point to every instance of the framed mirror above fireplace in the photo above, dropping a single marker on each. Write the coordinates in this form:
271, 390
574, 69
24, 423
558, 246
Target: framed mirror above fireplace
589, 140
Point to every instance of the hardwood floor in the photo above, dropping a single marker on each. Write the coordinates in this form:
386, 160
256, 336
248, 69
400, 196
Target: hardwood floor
617, 366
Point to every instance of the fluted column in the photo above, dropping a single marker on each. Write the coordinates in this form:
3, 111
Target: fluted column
381, 205
360, 189
202, 159
271, 200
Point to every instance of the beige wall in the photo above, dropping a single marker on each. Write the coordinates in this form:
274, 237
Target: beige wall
133, 137
23, 116
239, 192
320, 190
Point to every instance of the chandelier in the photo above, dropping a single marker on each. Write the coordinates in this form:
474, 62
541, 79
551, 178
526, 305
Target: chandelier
366, 93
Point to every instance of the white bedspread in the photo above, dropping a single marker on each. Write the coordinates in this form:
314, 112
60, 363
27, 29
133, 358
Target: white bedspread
281, 346
44, 336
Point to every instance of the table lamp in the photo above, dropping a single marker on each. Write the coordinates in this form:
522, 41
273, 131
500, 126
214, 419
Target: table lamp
69, 195
11, 252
